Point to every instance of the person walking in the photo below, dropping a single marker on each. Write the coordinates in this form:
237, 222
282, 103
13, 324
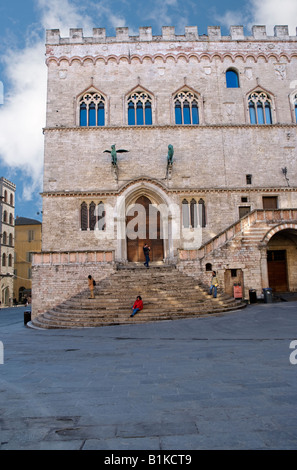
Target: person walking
146, 251
91, 284
137, 306
214, 285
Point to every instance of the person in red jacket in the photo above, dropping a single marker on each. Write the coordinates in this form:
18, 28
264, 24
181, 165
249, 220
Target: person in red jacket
137, 306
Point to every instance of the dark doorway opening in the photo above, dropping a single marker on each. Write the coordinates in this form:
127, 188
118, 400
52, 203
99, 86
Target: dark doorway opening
147, 226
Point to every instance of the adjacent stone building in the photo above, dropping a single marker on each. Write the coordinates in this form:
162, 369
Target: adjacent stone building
7, 205
27, 241
204, 136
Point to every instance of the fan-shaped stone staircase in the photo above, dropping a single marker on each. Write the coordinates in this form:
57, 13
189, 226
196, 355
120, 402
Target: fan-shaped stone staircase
166, 292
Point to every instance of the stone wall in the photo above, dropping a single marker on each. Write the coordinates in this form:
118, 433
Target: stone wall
243, 247
211, 159
58, 276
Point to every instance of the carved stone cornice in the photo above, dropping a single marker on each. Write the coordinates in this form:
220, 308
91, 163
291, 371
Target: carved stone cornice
198, 57
161, 185
169, 126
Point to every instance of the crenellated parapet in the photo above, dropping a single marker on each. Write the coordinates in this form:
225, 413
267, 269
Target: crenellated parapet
170, 46
76, 35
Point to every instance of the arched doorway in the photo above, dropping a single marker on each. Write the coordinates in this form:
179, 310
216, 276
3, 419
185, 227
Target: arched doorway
143, 225
282, 260
5, 296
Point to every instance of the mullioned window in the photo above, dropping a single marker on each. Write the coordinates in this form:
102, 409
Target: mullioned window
260, 108
193, 213
92, 216
140, 109
186, 107
92, 110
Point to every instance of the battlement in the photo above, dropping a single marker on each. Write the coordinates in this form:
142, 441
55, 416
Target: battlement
76, 36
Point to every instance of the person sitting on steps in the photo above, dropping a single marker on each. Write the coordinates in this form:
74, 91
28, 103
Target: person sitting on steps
137, 306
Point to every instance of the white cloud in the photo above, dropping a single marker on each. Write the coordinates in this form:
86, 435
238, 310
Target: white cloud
114, 20
231, 18
263, 12
274, 12
61, 14
167, 13
22, 116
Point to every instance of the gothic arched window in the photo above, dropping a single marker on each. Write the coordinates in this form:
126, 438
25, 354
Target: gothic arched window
140, 109
232, 79
202, 213
185, 214
260, 108
92, 216
92, 110
186, 108
84, 216
193, 213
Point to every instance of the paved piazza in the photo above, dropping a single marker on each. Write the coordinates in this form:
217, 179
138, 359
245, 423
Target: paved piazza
220, 382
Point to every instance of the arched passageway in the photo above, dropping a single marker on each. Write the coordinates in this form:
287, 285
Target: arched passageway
282, 260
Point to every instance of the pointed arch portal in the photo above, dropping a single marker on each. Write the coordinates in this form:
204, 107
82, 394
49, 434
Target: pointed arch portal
143, 225
145, 213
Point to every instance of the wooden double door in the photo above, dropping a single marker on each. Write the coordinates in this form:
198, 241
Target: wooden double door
277, 270
144, 226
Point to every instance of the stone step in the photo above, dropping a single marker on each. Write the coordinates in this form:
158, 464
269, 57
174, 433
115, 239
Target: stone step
99, 303
167, 294
148, 309
49, 321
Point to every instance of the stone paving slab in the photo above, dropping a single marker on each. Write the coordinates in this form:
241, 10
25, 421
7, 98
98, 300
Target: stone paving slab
218, 382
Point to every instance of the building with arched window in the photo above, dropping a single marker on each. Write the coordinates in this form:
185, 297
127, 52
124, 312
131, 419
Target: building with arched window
27, 241
7, 194
186, 141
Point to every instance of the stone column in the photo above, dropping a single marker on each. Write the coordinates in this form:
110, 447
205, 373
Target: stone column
264, 267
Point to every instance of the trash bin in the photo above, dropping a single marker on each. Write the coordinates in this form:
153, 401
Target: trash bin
253, 296
27, 316
267, 291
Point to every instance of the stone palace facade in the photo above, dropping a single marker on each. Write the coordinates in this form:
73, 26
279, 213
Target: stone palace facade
208, 176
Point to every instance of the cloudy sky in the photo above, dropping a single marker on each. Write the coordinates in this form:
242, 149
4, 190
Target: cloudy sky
23, 72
